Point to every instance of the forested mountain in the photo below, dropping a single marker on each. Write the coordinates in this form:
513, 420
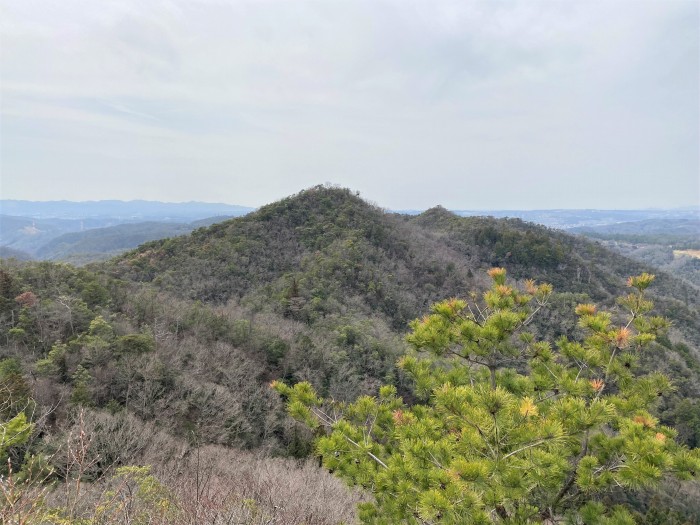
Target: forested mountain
173, 344
331, 252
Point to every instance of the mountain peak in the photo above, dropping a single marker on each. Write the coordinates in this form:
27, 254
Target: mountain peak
320, 203
437, 215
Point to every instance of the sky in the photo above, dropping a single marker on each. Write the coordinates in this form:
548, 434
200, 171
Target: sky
468, 104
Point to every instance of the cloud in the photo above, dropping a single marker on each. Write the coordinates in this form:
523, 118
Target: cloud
502, 104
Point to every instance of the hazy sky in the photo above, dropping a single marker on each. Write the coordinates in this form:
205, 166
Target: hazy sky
473, 105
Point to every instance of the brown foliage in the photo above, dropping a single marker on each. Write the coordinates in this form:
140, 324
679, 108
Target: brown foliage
27, 299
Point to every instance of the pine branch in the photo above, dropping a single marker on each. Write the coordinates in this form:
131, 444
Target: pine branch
375, 458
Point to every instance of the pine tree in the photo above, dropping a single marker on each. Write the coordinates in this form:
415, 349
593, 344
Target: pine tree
509, 429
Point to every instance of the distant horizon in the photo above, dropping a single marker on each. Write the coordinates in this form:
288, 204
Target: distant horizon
395, 210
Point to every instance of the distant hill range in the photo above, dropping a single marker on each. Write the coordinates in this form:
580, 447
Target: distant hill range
569, 219
81, 232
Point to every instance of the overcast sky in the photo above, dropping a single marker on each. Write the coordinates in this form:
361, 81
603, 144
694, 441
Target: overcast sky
472, 105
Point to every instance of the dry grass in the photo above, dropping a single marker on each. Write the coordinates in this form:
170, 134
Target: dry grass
687, 253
